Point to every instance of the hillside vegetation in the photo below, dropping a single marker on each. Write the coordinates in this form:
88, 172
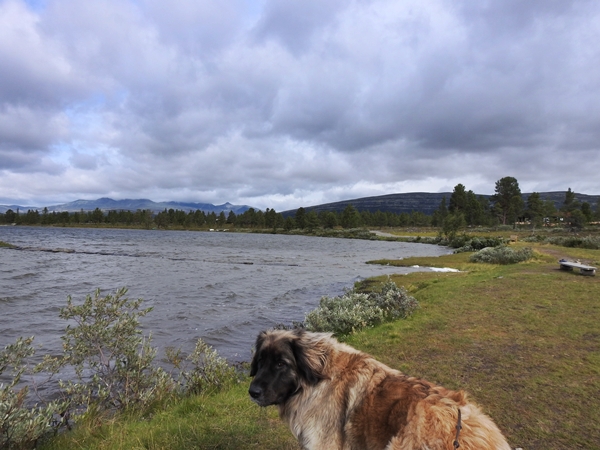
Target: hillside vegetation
449, 211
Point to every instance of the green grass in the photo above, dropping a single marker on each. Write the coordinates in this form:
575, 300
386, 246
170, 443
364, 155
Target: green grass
522, 339
227, 420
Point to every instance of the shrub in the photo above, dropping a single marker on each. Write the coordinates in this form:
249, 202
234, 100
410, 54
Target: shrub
462, 242
209, 370
535, 238
437, 240
21, 426
395, 302
589, 242
352, 233
113, 365
502, 255
343, 315
113, 362
479, 243
354, 310
452, 223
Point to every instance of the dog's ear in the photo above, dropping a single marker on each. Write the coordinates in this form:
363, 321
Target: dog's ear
259, 342
310, 357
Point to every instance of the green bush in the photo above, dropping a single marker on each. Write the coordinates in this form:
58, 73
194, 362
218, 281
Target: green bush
395, 302
113, 362
462, 242
21, 426
477, 243
351, 233
114, 368
344, 315
354, 310
208, 372
589, 242
502, 255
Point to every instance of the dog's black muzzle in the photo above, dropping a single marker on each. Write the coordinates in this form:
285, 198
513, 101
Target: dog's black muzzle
255, 392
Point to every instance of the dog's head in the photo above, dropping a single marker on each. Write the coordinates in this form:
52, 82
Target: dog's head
284, 363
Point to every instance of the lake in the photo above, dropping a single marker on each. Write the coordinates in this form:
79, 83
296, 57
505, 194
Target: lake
220, 286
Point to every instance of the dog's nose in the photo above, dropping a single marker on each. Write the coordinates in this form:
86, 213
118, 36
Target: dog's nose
255, 391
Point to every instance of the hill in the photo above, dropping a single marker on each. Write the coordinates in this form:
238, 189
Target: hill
395, 203
425, 202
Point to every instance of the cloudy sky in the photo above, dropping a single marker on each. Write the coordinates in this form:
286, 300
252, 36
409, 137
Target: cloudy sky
288, 103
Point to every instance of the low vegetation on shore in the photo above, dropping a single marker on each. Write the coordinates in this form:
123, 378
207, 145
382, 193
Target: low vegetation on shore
521, 338
354, 310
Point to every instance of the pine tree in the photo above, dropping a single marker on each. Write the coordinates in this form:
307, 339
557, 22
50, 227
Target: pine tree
508, 203
535, 209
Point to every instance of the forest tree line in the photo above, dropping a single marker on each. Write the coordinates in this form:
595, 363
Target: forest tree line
463, 208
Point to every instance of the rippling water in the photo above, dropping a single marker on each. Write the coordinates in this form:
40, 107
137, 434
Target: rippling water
222, 287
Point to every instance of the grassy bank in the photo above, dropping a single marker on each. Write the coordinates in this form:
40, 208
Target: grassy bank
522, 339
227, 420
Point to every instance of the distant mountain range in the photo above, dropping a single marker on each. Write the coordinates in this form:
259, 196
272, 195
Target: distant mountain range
108, 204
425, 202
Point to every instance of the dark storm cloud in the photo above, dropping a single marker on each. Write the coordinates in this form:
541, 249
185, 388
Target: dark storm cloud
468, 87
294, 23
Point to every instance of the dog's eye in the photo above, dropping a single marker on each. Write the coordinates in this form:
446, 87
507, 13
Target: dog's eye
280, 364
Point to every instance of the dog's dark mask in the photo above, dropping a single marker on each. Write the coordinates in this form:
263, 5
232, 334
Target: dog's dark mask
280, 367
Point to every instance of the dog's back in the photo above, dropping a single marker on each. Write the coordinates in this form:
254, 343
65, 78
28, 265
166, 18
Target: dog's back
404, 413
397, 412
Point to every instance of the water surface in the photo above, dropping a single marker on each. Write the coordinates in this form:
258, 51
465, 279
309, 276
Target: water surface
222, 287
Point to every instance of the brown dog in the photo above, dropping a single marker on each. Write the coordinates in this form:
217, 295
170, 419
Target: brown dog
336, 397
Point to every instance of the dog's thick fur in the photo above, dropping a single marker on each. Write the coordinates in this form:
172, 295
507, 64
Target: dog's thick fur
336, 397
